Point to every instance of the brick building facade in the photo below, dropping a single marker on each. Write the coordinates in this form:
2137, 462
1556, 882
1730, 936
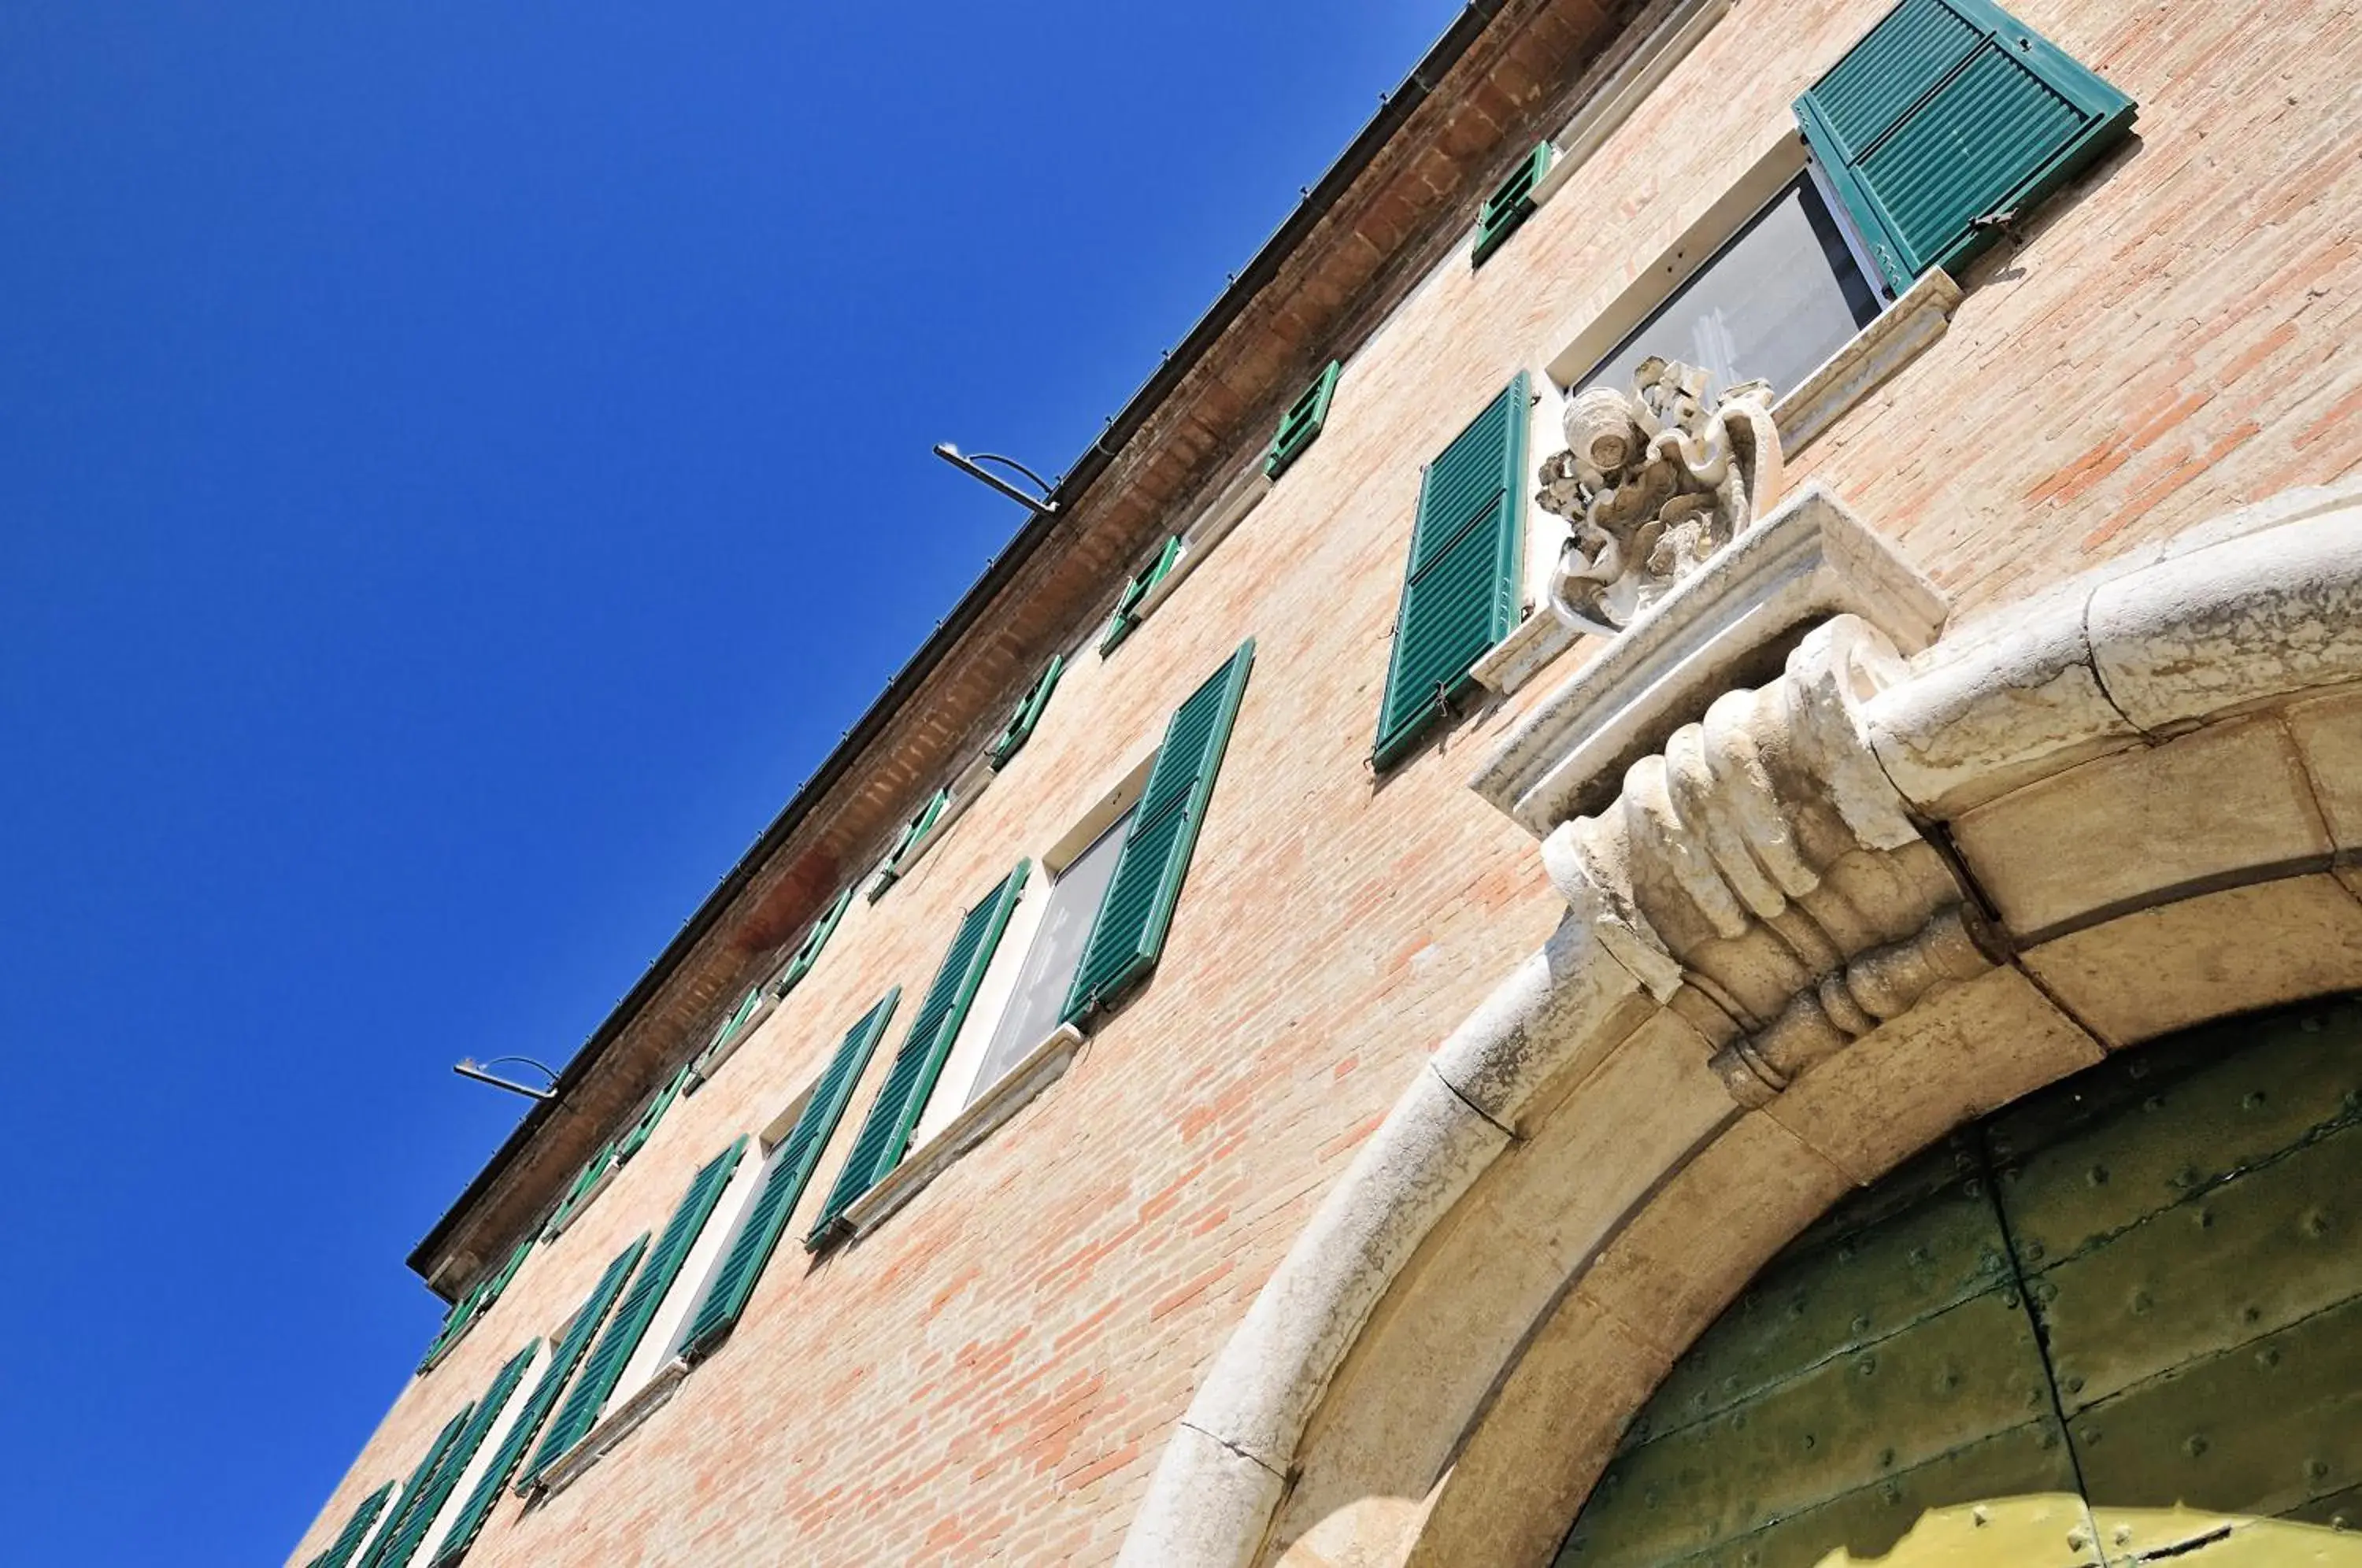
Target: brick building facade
981, 1345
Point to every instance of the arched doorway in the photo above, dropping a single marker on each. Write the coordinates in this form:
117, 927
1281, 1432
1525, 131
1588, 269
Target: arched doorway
2118, 1320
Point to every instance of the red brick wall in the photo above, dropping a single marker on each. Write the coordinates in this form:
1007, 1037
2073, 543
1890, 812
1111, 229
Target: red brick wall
991, 1375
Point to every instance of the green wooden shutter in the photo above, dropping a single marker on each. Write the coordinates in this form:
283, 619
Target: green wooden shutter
912, 832
1301, 423
1459, 591
886, 1131
1129, 931
589, 1396
552, 1382
397, 1547
1127, 606
414, 1491
814, 939
748, 1005
348, 1539
632, 1142
1947, 113
587, 1178
1509, 206
791, 1167
1020, 727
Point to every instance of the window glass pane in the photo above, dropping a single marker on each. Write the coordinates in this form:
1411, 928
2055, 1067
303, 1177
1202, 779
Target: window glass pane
1783, 296
1050, 963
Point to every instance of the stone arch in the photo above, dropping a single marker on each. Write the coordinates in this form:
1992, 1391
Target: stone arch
1835, 917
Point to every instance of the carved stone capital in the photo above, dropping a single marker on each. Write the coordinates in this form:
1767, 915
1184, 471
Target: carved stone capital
1764, 878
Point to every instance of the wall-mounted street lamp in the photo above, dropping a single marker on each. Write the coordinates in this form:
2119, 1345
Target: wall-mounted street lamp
468, 1067
1041, 505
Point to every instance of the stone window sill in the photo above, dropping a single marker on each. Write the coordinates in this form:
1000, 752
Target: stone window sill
1041, 1066
613, 1429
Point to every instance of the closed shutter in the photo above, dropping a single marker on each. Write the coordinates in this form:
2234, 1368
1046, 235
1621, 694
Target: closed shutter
348, 1539
631, 1141
562, 1363
1947, 113
1129, 932
886, 1131
814, 939
783, 1184
398, 1547
589, 1396
414, 1491
1459, 591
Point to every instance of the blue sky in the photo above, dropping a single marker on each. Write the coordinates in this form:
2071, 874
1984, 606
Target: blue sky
461, 465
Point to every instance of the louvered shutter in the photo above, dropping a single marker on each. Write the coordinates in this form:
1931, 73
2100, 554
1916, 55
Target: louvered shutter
552, 1382
1946, 113
413, 1492
398, 1547
589, 1396
348, 1539
791, 1167
1129, 931
886, 1131
1459, 591
632, 1140
814, 939
1019, 728
584, 1180
1127, 604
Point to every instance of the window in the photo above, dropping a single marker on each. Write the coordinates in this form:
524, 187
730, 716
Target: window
885, 1131
423, 1506
1301, 423
1020, 727
808, 953
1946, 119
1038, 1003
785, 1175
357, 1530
1510, 205
1460, 588
1782, 295
461, 1532
913, 833
632, 1142
1128, 610
658, 1271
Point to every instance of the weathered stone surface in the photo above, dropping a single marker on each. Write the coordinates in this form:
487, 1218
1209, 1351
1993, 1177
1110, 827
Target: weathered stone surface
2142, 825
2163, 968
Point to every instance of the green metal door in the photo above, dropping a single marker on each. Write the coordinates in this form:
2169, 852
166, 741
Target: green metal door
2120, 1320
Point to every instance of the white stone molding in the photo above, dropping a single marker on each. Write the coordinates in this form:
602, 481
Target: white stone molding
1898, 334
1642, 1112
1808, 559
1015, 1089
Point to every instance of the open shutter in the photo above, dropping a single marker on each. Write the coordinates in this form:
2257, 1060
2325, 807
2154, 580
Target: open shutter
413, 1492
814, 939
1510, 205
1127, 604
1459, 591
399, 1546
886, 1131
1950, 112
589, 1396
562, 1363
631, 1142
907, 840
576, 1196
1020, 727
791, 1167
1129, 932
1302, 421
348, 1539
